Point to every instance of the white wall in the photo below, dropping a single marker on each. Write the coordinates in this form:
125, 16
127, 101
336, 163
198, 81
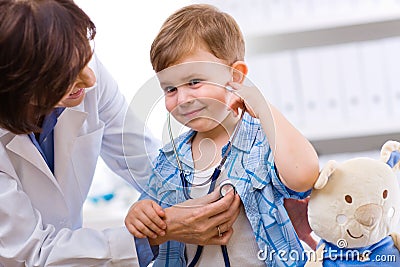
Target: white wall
125, 31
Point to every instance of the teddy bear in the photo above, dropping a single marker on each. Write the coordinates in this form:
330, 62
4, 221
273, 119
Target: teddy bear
354, 208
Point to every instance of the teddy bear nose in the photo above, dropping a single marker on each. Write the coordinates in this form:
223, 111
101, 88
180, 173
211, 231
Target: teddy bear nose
369, 214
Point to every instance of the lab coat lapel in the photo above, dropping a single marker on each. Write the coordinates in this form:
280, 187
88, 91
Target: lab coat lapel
65, 133
23, 147
28, 175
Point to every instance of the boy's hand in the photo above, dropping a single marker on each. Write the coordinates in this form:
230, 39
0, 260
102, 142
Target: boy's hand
144, 219
249, 97
297, 211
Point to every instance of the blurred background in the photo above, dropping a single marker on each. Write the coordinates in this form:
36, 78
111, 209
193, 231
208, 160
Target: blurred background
332, 67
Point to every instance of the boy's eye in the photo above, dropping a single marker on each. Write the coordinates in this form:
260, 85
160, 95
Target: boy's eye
194, 82
170, 89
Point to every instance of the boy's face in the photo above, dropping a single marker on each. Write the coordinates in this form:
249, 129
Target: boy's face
195, 91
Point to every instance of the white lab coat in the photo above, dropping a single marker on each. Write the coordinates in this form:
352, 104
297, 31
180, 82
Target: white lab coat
40, 213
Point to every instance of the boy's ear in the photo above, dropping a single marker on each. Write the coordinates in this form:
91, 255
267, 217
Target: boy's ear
239, 71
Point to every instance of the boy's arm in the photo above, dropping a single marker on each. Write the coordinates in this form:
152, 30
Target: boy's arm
294, 156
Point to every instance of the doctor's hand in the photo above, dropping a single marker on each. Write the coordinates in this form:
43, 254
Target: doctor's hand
145, 219
196, 221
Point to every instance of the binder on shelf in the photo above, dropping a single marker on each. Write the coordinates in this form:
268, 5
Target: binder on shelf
391, 59
273, 74
373, 82
261, 75
309, 83
284, 76
354, 100
331, 87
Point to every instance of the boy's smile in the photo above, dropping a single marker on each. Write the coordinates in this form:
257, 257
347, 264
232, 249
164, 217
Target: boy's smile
192, 113
201, 114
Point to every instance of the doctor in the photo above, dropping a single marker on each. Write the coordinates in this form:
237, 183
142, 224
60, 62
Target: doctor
52, 130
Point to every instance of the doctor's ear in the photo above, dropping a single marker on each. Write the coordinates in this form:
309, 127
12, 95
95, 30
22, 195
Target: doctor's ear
239, 71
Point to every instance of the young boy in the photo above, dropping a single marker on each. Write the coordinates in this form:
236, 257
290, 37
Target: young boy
198, 56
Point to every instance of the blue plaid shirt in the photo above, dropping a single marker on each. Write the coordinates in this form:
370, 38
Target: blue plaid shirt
251, 168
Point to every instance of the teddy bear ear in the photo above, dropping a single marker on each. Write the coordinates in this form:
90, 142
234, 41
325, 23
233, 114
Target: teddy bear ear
390, 154
328, 169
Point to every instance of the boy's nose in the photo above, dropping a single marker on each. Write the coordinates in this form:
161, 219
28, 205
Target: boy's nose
184, 96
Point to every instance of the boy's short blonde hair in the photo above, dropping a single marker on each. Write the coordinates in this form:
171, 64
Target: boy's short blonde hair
196, 26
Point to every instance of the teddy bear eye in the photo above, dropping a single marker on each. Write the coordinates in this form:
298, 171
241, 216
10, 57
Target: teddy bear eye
348, 199
385, 194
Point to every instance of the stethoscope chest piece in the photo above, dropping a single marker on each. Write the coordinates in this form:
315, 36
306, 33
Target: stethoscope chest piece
226, 187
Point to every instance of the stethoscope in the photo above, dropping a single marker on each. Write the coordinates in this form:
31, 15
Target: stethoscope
225, 187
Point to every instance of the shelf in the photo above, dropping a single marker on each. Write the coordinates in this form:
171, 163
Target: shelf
353, 144
323, 35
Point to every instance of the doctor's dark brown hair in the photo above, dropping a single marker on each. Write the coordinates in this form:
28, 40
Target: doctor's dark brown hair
44, 45
193, 27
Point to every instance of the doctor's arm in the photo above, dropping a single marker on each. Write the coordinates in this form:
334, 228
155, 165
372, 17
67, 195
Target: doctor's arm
28, 238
